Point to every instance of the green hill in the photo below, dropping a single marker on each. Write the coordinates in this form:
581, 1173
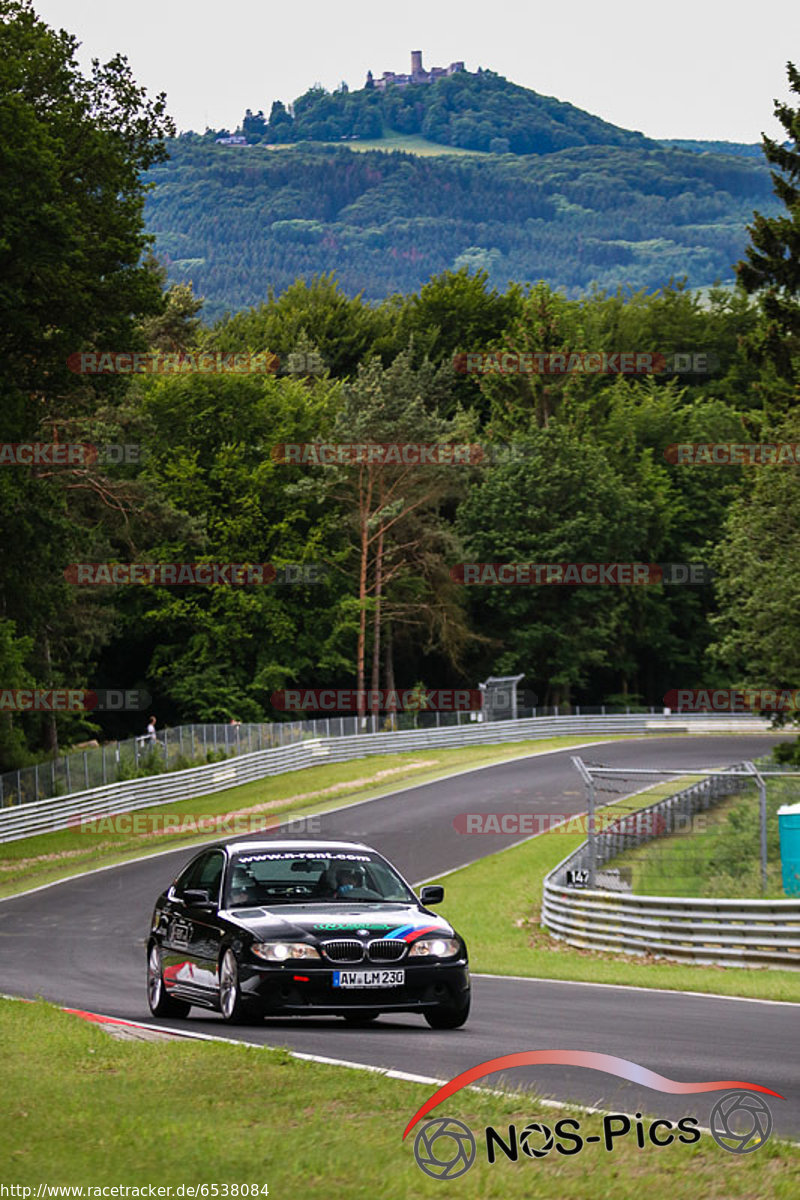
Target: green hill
480, 111
236, 221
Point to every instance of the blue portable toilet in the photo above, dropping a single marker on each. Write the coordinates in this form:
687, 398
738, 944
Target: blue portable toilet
789, 827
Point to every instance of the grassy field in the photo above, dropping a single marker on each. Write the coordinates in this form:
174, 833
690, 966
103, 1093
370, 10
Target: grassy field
722, 858
495, 903
46, 857
411, 143
79, 1107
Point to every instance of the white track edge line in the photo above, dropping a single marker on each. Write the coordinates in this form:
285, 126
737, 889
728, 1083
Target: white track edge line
635, 987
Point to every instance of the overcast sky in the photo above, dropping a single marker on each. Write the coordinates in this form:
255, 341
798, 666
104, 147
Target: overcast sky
688, 69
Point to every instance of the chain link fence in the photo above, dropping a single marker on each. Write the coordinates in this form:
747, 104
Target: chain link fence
187, 746
190, 745
705, 834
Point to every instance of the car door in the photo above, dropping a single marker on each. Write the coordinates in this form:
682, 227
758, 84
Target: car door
206, 930
189, 964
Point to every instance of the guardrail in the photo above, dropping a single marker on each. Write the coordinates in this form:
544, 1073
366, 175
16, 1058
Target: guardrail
43, 816
715, 932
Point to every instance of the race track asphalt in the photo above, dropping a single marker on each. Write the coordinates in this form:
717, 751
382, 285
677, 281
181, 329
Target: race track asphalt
80, 943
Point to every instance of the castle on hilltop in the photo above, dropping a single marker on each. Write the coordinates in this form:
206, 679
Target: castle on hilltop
418, 74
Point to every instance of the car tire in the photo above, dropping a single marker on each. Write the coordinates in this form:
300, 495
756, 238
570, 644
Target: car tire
361, 1018
231, 1002
161, 1004
448, 1016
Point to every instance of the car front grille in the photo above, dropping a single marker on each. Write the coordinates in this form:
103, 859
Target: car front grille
386, 950
343, 951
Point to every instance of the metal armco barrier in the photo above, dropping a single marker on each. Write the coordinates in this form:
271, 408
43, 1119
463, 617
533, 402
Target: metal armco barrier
751, 933
42, 816
715, 932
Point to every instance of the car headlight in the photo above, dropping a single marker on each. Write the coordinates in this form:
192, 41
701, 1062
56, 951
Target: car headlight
283, 951
434, 948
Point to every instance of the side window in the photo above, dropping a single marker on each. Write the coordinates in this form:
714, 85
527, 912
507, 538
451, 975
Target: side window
210, 875
204, 872
187, 877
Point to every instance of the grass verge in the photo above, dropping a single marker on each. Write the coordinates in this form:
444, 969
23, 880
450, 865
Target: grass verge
47, 857
496, 902
720, 855
81, 1108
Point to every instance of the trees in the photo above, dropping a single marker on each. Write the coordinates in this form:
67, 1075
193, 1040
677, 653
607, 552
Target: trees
71, 244
392, 508
759, 556
758, 629
772, 260
562, 503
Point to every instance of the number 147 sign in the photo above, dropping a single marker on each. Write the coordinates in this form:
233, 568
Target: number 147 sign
577, 877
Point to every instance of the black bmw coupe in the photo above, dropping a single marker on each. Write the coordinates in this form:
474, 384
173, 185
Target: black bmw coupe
277, 928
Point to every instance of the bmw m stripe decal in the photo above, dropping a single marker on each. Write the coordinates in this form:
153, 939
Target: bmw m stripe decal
408, 933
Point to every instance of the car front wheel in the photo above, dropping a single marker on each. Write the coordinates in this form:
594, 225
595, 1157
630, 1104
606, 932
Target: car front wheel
448, 1016
161, 1004
231, 1002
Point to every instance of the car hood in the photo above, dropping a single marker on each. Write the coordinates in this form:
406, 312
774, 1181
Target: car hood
324, 921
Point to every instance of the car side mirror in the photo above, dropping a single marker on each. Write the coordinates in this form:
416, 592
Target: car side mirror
433, 893
198, 897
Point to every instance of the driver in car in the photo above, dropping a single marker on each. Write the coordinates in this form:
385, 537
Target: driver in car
244, 889
348, 879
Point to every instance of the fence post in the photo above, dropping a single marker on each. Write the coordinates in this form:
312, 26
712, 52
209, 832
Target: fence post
105, 777
66, 773
36, 778
762, 806
591, 841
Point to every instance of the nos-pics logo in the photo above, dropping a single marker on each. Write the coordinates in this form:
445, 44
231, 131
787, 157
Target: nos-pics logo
445, 1148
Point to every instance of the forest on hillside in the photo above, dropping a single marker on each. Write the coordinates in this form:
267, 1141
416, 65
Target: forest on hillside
237, 221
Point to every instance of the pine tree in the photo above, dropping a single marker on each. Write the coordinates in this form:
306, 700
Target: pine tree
772, 265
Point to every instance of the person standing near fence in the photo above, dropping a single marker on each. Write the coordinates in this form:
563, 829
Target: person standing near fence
151, 729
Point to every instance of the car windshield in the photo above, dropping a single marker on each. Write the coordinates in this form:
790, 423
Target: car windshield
305, 876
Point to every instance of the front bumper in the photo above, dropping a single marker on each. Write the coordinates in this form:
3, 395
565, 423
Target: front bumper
301, 988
